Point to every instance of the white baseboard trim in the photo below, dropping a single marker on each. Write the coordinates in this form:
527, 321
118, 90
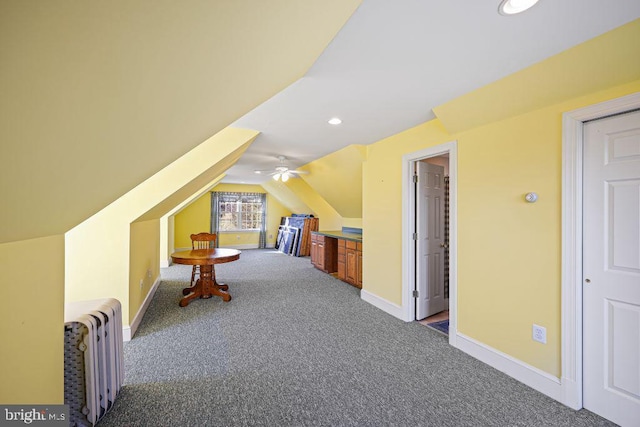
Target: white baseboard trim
381, 303
164, 263
129, 331
571, 394
245, 246
529, 375
248, 246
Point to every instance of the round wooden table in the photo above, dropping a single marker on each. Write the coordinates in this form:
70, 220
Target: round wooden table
206, 285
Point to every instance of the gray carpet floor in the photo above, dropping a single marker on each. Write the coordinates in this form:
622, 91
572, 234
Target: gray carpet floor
296, 347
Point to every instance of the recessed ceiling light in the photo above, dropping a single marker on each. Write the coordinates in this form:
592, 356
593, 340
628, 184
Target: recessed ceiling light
511, 7
335, 121
258, 172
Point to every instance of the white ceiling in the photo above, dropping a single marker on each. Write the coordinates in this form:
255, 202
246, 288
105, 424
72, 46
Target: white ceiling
396, 60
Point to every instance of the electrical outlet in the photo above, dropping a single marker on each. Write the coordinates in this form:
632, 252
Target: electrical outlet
141, 283
149, 273
539, 334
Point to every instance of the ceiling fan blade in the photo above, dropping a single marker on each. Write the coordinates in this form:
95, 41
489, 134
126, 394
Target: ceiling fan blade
299, 172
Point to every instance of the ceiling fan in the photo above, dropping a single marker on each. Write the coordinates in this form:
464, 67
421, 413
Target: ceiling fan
282, 171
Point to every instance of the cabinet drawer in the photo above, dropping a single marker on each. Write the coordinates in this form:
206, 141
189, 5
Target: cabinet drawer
351, 244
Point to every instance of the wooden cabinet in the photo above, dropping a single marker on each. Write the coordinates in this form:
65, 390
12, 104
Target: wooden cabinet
324, 253
353, 263
336, 255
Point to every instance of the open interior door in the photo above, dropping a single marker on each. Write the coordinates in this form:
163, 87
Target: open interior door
430, 239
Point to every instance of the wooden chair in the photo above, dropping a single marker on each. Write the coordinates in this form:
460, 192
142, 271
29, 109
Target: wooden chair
201, 241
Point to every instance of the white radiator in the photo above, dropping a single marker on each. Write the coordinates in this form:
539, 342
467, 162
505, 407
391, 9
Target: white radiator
93, 362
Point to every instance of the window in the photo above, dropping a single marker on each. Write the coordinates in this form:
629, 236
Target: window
240, 211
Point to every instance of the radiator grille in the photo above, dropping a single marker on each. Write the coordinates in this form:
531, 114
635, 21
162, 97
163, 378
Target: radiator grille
94, 370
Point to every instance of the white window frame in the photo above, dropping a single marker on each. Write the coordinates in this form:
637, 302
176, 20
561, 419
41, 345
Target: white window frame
241, 216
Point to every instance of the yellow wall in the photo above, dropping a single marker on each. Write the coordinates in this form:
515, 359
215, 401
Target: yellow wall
196, 218
328, 217
509, 143
102, 95
508, 250
55, 121
31, 326
352, 222
382, 205
286, 196
167, 223
144, 262
604, 61
337, 178
92, 105
107, 265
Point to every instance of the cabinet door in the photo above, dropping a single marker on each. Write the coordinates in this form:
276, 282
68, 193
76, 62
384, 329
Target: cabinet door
359, 269
320, 250
352, 266
314, 251
342, 266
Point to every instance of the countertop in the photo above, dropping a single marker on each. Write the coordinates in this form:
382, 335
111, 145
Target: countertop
338, 234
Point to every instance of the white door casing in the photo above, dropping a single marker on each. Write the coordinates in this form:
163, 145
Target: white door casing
611, 268
430, 240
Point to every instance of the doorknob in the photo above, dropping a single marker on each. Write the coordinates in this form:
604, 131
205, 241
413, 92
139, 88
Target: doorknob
587, 280
444, 245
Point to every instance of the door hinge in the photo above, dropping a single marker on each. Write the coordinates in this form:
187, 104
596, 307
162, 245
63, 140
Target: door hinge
415, 236
415, 178
415, 293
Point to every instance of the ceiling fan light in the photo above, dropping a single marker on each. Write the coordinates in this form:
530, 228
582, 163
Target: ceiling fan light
511, 7
285, 177
276, 176
335, 121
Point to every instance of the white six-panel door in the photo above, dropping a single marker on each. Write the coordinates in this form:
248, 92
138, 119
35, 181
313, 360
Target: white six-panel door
430, 246
611, 269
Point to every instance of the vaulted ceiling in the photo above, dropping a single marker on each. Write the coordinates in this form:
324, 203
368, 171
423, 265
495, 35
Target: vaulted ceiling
96, 97
395, 61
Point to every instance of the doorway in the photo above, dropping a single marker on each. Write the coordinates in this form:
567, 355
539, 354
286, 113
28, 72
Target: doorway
443, 155
431, 183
